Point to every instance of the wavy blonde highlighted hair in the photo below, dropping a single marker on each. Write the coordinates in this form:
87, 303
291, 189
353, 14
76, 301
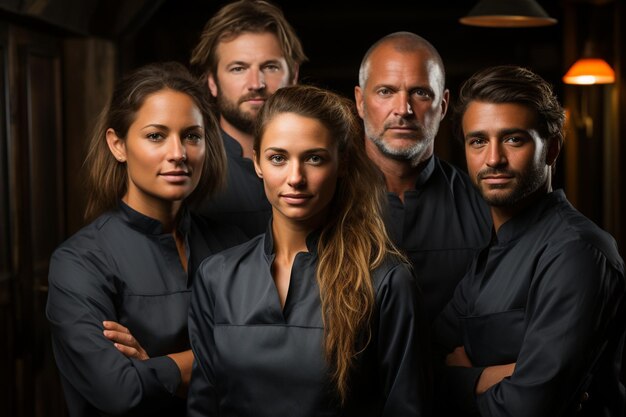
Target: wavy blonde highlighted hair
353, 240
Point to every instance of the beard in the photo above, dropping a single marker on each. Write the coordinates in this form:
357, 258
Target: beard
526, 183
231, 112
422, 140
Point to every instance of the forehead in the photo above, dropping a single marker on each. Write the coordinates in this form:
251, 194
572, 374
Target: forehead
388, 65
293, 132
249, 47
485, 116
168, 106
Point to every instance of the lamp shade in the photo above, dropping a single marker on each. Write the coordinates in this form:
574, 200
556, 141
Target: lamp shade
590, 71
507, 14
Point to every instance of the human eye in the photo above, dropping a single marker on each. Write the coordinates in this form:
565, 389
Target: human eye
236, 69
515, 140
272, 67
384, 91
422, 93
154, 136
475, 142
193, 137
276, 159
315, 159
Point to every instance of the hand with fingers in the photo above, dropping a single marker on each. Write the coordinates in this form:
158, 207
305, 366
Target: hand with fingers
124, 341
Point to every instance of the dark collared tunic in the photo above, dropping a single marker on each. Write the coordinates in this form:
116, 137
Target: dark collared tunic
548, 294
243, 202
122, 267
255, 359
441, 226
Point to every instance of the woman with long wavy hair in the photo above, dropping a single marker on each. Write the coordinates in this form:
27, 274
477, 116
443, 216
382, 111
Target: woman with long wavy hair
318, 316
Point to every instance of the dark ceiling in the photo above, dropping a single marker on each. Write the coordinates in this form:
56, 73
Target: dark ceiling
335, 33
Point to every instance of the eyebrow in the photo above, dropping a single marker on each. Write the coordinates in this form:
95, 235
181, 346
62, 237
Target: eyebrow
276, 149
164, 127
501, 132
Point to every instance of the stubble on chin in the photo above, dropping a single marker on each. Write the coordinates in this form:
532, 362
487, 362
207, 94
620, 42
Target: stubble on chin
231, 112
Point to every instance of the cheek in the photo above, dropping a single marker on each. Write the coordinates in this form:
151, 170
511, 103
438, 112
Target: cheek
275, 81
474, 162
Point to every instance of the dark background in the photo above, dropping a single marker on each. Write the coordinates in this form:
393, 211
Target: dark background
59, 60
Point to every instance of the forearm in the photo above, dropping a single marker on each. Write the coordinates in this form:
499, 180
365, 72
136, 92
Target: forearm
493, 375
184, 361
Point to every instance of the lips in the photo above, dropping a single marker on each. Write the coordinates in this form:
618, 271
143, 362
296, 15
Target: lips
496, 180
175, 176
296, 199
253, 99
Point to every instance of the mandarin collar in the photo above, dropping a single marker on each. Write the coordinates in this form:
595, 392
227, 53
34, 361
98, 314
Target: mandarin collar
312, 241
426, 173
151, 226
520, 223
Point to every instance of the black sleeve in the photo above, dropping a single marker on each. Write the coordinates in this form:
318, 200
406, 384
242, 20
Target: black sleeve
81, 296
572, 301
401, 343
201, 399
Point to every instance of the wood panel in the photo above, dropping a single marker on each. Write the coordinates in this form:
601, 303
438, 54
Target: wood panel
36, 166
7, 276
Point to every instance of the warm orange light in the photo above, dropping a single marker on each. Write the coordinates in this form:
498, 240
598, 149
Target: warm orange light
587, 71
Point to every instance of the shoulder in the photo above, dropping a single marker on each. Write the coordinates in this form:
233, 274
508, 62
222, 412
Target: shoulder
249, 251
571, 232
91, 236
393, 274
86, 251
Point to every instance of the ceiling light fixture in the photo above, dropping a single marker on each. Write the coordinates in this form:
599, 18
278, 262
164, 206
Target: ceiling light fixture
508, 14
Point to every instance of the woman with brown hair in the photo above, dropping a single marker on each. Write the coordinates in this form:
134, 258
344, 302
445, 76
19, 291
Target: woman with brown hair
119, 288
318, 316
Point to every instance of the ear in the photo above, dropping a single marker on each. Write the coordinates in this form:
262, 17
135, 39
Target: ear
554, 148
445, 101
212, 83
117, 146
257, 167
358, 98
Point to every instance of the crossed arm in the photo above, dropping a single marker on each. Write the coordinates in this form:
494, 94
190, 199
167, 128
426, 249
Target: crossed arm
127, 344
490, 376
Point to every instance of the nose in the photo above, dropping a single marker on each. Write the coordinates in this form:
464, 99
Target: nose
177, 150
296, 177
495, 155
257, 80
403, 105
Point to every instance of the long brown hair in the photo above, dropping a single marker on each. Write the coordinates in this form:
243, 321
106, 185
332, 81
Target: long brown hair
106, 177
353, 240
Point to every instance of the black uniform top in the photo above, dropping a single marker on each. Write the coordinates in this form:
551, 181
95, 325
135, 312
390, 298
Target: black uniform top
243, 202
255, 359
441, 226
122, 267
548, 294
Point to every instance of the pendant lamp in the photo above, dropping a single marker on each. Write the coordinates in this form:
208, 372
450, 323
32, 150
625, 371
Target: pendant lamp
588, 71
508, 14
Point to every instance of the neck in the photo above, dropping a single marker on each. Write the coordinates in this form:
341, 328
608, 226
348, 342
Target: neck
165, 212
502, 214
400, 174
289, 238
246, 140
